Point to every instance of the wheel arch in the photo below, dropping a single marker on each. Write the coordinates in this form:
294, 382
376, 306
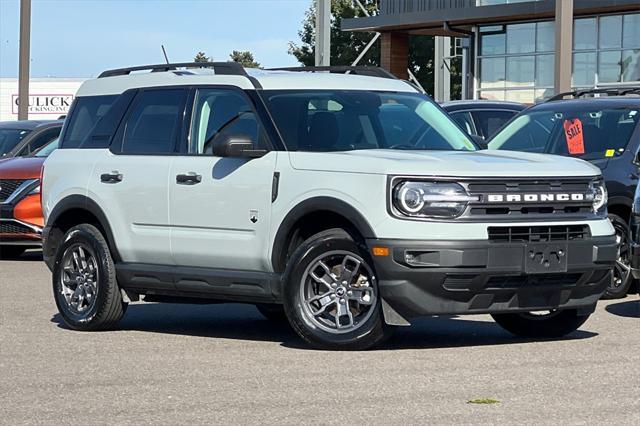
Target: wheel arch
620, 206
314, 215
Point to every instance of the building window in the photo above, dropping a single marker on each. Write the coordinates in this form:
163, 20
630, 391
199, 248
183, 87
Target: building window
518, 60
606, 50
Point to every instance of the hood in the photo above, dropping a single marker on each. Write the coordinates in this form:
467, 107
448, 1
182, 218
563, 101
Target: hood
21, 168
444, 163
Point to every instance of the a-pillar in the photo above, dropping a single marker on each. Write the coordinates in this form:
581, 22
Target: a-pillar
394, 53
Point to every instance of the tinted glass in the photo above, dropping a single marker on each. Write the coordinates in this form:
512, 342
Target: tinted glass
631, 34
545, 37
610, 32
85, 114
219, 113
521, 38
490, 122
631, 65
153, 124
48, 149
585, 33
326, 120
493, 44
584, 69
545, 70
43, 139
520, 71
465, 120
492, 72
581, 132
609, 70
9, 138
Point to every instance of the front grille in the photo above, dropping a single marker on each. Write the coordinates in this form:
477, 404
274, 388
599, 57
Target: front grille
535, 234
8, 187
14, 228
519, 281
526, 209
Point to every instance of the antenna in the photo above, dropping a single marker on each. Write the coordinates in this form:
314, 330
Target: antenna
164, 52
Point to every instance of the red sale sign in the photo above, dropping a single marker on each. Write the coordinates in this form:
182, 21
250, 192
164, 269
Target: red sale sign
574, 136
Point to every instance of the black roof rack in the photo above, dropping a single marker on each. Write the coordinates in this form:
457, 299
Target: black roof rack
610, 91
361, 70
220, 68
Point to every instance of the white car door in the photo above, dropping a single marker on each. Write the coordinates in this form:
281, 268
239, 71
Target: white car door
131, 179
220, 207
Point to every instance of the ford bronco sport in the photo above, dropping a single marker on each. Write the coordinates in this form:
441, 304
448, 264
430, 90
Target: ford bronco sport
349, 203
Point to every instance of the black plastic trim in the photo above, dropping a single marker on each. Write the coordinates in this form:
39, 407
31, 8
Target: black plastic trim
220, 68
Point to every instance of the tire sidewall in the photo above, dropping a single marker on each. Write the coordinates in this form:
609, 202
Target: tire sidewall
299, 263
612, 292
74, 236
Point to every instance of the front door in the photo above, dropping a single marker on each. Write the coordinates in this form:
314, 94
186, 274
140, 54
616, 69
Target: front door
220, 208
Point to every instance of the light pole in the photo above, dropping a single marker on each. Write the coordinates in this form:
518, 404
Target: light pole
323, 32
23, 67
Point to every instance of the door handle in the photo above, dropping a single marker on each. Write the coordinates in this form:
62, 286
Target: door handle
190, 178
113, 177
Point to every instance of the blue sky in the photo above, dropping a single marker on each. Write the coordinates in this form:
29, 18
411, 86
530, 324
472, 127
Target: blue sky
80, 38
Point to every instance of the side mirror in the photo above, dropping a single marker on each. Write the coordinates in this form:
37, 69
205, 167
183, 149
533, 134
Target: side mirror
237, 146
480, 142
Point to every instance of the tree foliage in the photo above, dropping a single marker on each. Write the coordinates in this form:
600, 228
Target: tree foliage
245, 58
201, 57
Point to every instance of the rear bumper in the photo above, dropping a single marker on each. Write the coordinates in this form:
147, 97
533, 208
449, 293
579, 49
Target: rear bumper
471, 277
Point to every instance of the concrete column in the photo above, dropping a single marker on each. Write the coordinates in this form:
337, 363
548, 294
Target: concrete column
394, 53
25, 56
564, 45
323, 32
442, 74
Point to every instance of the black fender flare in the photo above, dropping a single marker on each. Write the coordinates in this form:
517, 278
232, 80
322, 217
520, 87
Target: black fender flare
83, 203
311, 205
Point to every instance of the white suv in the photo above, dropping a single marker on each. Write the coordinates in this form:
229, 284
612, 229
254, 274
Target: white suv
349, 203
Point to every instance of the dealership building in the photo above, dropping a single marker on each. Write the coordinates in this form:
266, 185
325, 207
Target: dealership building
49, 98
516, 50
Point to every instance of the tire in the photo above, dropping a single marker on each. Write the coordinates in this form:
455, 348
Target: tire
11, 252
553, 325
622, 278
88, 297
274, 313
339, 295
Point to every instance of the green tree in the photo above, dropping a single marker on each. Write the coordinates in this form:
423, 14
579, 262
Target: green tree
245, 58
347, 45
201, 57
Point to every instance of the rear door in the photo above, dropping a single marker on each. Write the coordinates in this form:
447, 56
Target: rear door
220, 208
130, 179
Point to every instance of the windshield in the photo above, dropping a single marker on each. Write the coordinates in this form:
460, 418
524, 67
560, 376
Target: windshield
581, 132
47, 149
330, 120
9, 138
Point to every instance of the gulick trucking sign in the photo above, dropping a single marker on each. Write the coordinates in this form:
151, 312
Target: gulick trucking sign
45, 104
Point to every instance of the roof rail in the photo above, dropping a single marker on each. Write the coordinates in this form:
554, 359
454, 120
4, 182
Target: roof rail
361, 70
610, 91
220, 68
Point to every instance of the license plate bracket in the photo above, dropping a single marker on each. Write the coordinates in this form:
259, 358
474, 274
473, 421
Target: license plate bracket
545, 258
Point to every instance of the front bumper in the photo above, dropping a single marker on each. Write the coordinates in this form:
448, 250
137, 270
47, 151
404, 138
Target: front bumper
473, 277
17, 232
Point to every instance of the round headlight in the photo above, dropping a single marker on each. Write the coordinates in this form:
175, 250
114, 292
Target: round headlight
411, 198
430, 199
600, 196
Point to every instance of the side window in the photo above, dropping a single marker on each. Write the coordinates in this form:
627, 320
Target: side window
85, 114
489, 122
218, 113
153, 125
41, 140
465, 120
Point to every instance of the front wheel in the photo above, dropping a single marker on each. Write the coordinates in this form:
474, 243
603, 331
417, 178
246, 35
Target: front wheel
622, 277
84, 281
543, 324
331, 294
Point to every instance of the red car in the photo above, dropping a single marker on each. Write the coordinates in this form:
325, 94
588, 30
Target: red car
21, 218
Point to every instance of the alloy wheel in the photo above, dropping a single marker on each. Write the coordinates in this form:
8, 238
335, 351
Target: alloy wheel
79, 278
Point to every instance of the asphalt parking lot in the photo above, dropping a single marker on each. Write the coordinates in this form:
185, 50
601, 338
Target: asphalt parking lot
178, 364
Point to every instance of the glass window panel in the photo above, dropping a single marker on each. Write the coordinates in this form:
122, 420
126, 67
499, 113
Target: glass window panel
610, 32
492, 95
631, 32
545, 37
492, 44
609, 70
545, 70
492, 72
526, 96
520, 71
521, 38
584, 69
544, 94
585, 32
631, 65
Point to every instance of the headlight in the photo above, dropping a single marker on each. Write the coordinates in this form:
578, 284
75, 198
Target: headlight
35, 190
430, 199
600, 196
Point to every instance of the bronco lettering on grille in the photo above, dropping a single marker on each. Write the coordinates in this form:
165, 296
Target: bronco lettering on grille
534, 198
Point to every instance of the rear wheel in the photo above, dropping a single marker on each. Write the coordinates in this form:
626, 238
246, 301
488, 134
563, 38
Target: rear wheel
331, 294
84, 281
622, 277
11, 252
541, 324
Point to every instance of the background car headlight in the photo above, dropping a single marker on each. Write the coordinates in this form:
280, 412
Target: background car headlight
430, 199
35, 190
600, 195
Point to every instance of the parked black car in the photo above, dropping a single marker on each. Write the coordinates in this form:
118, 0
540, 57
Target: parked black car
482, 118
634, 247
603, 130
24, 137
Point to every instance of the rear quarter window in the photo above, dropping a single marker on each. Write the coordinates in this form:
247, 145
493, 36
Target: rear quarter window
84, 116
